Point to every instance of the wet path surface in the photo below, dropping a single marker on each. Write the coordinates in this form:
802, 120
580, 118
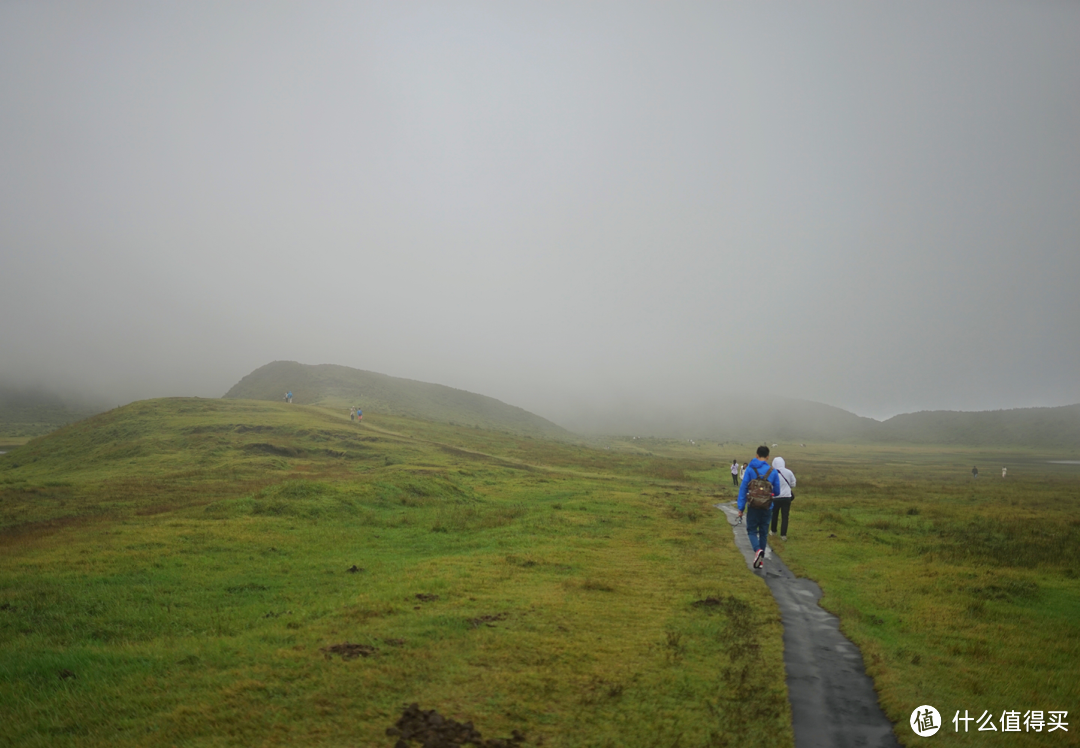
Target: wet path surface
833, 702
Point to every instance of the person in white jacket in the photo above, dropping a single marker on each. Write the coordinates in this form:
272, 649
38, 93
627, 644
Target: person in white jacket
782, 502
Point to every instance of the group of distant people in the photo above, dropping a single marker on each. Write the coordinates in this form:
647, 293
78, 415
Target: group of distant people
975, 471
355, 414
765, 495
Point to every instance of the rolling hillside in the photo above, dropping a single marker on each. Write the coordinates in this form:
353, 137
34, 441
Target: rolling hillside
202, 572
779, 419
764, 419
1051, 428
28, 412
330, 385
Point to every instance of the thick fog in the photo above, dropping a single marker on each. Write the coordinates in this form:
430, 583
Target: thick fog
567, 206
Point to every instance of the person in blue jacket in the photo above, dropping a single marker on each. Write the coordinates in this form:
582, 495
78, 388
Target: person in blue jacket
757, 519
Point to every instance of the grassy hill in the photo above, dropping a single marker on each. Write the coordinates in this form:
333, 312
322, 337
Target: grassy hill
1048, 428
208, 572
761, 419
341, 387
237, 572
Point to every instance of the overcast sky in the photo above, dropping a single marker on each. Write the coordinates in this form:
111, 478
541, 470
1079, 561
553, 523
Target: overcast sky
567, 206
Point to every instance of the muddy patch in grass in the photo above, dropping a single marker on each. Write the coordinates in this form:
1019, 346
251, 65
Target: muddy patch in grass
426, 597
348, 651
489, 620
432, 730
736, 609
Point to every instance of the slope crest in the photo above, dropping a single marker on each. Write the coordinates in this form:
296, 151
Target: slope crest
336, 386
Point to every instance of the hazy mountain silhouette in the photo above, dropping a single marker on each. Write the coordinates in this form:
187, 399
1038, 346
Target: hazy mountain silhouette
778, 419
1054, 428
27, 411
341, 386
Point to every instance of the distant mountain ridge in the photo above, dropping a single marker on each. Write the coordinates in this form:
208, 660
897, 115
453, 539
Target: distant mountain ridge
782, 419
1033, 427
756, 419
29, 412
342, 386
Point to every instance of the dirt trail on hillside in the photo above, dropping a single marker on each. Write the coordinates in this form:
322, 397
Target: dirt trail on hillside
833, 702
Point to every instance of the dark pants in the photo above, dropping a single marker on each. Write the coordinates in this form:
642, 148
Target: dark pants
735, 479
781, 508
757, 526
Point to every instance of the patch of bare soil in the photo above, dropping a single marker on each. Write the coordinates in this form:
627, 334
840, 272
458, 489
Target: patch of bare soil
348, 651
425, 597
432, 730
489, 620
709, 602
730, 605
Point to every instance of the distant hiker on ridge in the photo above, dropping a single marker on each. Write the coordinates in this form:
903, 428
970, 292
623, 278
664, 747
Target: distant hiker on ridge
1003, 471
760, 484
975, 472
735, 473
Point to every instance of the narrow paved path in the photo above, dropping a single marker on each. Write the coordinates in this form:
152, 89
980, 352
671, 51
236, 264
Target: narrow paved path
833, 702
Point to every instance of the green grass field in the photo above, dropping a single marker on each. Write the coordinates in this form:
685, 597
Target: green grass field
963, 594
188, 561
180, 572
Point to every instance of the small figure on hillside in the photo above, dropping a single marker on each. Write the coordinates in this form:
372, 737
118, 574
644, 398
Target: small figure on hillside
359, 415
975, 472
1003, 471
742, 472
288, 396
735, 473
781, 505
352, 414
756, 501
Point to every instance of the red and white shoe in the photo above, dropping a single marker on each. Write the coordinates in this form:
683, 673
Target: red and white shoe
759, 559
